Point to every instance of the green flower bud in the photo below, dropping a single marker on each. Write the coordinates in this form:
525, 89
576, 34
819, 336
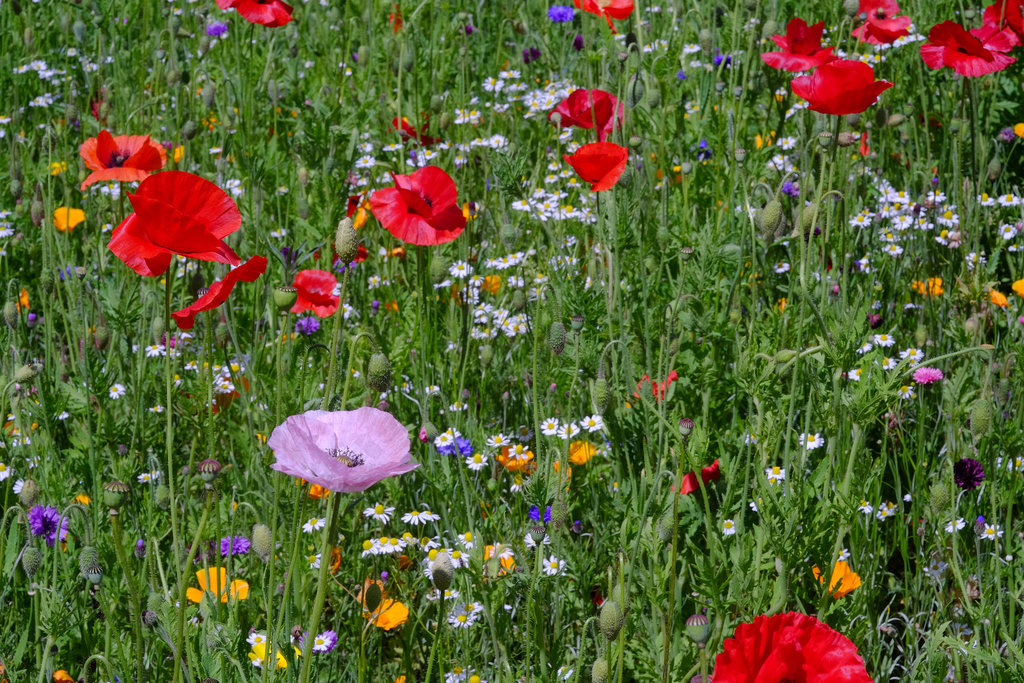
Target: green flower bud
430, 432
87, 559
11, 314
28, 372
378, 372
981, 418
156, 329
442, 571
635, 91
302, 206
611, 619
771, 217
346, 241
15, 189
599, 394
486, 356
222, 334
706, 41
599, 671
995, 168
36, 212
438, 269
262, 541
556, 337
303, 175
101, 337
518, 300
665, 527
895, 120
29, 493
163, 496
939, 499
189, 130
697, 627
363, 55
209, 96
30, 560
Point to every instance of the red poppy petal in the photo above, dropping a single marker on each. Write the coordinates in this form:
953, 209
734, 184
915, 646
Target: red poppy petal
122, 174
219, 291
315, 290
599, 163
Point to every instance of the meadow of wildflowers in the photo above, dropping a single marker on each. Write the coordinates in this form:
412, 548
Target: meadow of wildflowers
583, 340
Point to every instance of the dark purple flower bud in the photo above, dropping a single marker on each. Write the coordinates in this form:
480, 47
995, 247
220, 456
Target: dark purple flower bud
577, 43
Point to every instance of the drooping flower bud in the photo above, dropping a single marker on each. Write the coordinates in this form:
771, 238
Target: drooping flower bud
30, 560
378, 372
89, 565
262, 541
611, 619
163, 496
29, 493
981, 418
189, 130
599, 671
442, 571
346, 241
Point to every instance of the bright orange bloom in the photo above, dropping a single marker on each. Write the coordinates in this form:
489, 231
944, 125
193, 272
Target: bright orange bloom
506, 559
516, 459
62, 676
125, 158
1018, 288
843, 580
581, 451
215, 581
932, 287
999, 299
492, 284
23, 299
390, 614
65, 218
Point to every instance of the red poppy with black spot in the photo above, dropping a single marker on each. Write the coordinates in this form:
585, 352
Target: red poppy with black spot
881, 25
840, 87
270, 13
707, 475
421, 208
124, 158
599, 163
176, 213
973, 53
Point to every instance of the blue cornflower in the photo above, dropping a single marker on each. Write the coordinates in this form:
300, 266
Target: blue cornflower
307, 325
465, 448
560, 13
216, 29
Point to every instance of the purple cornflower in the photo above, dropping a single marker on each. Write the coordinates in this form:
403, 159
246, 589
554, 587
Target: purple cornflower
723, 58
1006, 135
307, 325
216, 29
927, 375
561, 14
239, 545
535, 514
788, 188
681, 75
46, 521
465, 448
968, 473
577, 43
530, 54
703, 153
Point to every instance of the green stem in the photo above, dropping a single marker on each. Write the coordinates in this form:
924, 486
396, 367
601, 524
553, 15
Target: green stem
321, 588
133, 592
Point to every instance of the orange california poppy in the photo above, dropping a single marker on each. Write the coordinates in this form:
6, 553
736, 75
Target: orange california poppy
125, 158
215, 581
517, 459
65, 218
843, 581
390, 614
506, 558
581, 451
999, 299
62, 676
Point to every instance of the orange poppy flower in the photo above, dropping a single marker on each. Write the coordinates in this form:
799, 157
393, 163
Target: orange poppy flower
843, 580
65, 218
506, 559
999, 299
215, 581
125, 158
581, 451
390, 614
492, 284
517, 459
62, 676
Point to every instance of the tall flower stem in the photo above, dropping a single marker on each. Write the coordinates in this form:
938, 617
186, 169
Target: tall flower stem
339, 316
179, 639
321, 588
133, 592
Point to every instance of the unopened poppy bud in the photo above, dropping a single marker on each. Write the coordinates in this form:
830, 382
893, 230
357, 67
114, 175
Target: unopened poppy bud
771, 216
697, 627
556, 337
209, 469
599, 671
28, 36
995, 168
518, 300
36, 212
438, 269
378, 372
363, 55
222, 334
939, 499
30, 560
921, 335
436, 102
29, 493
706, 41
981, 418
302, 206
654, 98
846, 139
87, 558
163, 496
28, 372
156, 329
486, 356
685, 168
149, 618
209, 96
611, 619
442, 571
101, 337
665, 527
284, 297
599, 395
262, 541
303, 175
955, 125
189, 130
635, 91
15, 189
114, 494
346, 241
809, 216
769, 29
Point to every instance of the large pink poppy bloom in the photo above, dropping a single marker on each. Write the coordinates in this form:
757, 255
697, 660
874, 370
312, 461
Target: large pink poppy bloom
347, 450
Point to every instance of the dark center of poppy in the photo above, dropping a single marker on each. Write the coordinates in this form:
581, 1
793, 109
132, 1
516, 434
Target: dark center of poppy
429, 202
117, 160
346, 456
879, 13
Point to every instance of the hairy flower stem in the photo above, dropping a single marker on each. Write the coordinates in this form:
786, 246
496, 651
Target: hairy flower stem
179, 639
169, 453
437, 636
133, 592
321, 587
339, 316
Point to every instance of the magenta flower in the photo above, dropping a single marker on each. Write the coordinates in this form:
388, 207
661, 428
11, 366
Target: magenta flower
927, 375
347, 450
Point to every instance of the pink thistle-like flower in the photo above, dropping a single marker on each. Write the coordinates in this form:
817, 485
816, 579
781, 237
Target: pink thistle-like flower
927, 375
347, 450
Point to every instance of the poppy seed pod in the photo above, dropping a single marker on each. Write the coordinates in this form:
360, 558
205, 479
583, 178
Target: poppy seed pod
29, 493
284, 297
378, 372
30, 560
981, 418
611, 619
599, 671
262, 541
740, 155
846, 139
114, 494
537, 534
556, 337
697, 627
685, 426
442, 571
576, 323
346, 241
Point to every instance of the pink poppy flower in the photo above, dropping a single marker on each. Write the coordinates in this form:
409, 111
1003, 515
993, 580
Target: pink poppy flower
347, 450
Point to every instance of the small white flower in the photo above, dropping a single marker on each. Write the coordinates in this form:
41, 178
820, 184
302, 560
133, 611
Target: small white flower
728, 527
476, 462
593, 423
379, 512
955, 526
992, 532
775, 474
549, 427
117, 391
553, 566
314, 524
811, 441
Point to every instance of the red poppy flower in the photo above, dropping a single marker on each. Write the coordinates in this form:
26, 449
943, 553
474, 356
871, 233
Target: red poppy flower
707, 474
176, 213
315, 290
882, 25
271, 13
658, 388
801, 48
590, 109
609, 9
125, 158
409, 132
791, 646
599, 163
1007, 16
840, 87
219, 291
420, 208
969, 54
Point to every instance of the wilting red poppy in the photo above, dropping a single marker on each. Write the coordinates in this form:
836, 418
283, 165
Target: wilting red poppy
176, 213
609, 9
707, 474
315, 290
1007, 16
409, 132
789, 647
421, 208
657, 388
599, 163
271, 13
882, 26
801, 48
219, 291
590, 109
840, 87
125, 158
976, 53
